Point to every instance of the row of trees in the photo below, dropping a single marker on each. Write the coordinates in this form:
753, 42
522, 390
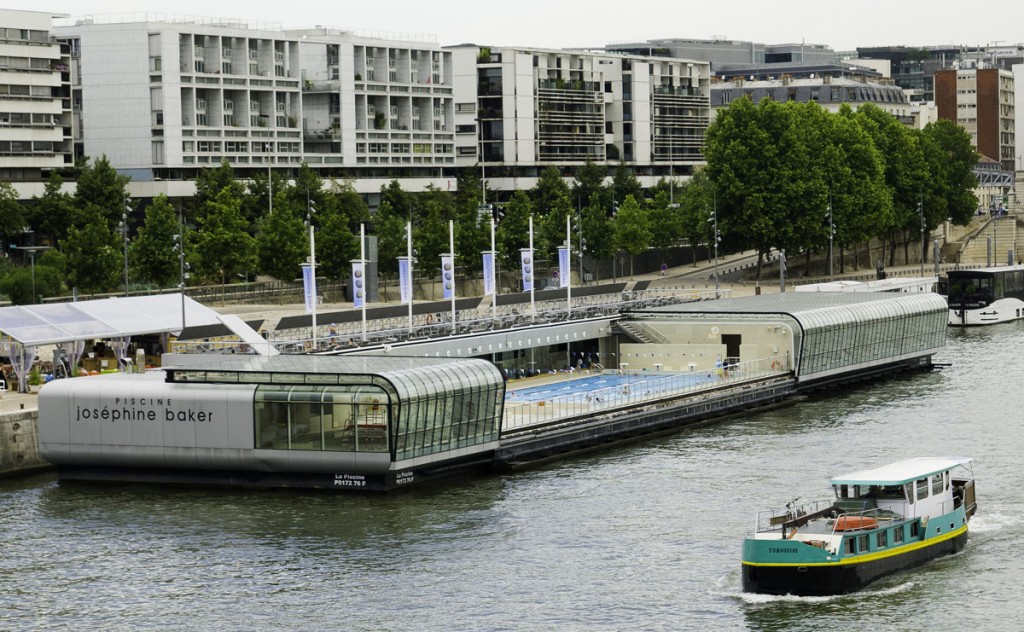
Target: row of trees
775, 172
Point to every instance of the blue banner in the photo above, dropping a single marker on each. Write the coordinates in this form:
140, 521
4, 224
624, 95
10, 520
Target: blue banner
448, 276
405, 280
563, 266
358, 284
309, 287
488, 273
526, 257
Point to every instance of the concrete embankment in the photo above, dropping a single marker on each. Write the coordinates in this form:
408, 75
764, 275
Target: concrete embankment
19, 442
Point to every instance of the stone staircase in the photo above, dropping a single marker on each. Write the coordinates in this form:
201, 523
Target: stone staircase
1004, 235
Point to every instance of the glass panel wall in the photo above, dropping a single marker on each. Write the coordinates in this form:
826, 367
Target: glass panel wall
333, 418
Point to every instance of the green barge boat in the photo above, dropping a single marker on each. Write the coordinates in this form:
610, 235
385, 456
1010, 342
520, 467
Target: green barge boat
882, 521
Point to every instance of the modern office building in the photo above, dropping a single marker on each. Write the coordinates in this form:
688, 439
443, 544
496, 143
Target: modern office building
526, 109
981, 100
35, 97
725, 54
913, 69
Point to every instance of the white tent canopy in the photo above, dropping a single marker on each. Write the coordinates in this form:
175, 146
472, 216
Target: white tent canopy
69, 325
105, 318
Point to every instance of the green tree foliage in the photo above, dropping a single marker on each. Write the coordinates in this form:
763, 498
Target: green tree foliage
336, 245
12, 214
431, 238
50, 214
282, 241
512, 234
18, 283
666, 222
209, 184
590, 182
951, 160
625, 184
550, 191
92, 253
552, 226
631, 227
101, 187
152, 253
350, 204
223, 246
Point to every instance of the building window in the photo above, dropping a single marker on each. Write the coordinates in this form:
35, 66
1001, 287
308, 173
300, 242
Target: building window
200, 65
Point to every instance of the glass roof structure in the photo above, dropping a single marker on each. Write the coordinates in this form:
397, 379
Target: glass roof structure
33, 325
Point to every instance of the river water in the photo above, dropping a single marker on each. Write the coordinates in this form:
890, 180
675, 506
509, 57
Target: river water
641, 537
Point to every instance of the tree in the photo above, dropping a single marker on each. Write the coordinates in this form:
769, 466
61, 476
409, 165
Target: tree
336, 245
625, 183
596, 229
223, 244
590, 182
905, 171
209, 184
758, 165
951, 159
50, 215
102, 187
19, 282
152, 254
665, 221
12, 214
282, 242
512, 234
549, 191
92, 253
631, 228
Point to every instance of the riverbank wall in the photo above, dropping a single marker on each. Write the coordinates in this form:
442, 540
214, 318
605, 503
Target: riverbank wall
19, 443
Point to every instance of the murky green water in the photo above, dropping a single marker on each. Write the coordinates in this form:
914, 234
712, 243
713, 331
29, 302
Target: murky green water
644, 537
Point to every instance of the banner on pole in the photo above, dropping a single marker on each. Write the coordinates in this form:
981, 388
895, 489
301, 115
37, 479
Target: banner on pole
563, 266
405, 280
488, 273
448, 276
309, 287
526, 256
358, 284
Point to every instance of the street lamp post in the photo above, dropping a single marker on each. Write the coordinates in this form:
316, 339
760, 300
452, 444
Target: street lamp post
32, 250
124, 238
831, 234
716, 237
920, 212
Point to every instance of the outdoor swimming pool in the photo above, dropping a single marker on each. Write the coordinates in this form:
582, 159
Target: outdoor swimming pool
606, 386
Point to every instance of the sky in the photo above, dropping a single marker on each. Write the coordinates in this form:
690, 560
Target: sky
595, 23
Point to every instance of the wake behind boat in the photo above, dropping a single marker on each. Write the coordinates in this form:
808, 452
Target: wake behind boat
882, 521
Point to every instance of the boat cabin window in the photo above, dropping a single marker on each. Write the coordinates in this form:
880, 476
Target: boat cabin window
938, 484
922, 488
908, 489
848, 546
880, 539
863, 543
897, 534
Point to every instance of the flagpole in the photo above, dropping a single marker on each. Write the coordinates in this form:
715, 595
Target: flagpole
312, 274
494, 281
533, 277
451, 249
408, 254
568, 268
362, 261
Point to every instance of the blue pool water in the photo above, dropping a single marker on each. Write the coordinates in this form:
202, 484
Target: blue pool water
607, 384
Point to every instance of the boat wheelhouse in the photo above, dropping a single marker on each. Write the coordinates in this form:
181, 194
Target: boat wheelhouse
985, 296
882, 521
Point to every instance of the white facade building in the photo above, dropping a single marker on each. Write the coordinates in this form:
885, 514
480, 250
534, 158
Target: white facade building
35, 100
525, 109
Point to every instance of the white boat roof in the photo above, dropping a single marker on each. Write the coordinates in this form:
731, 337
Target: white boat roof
902, 471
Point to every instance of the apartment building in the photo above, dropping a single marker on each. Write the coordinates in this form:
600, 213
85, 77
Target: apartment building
35, 97
827, 91
376, 108
981, 100
163, 99
518, 110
